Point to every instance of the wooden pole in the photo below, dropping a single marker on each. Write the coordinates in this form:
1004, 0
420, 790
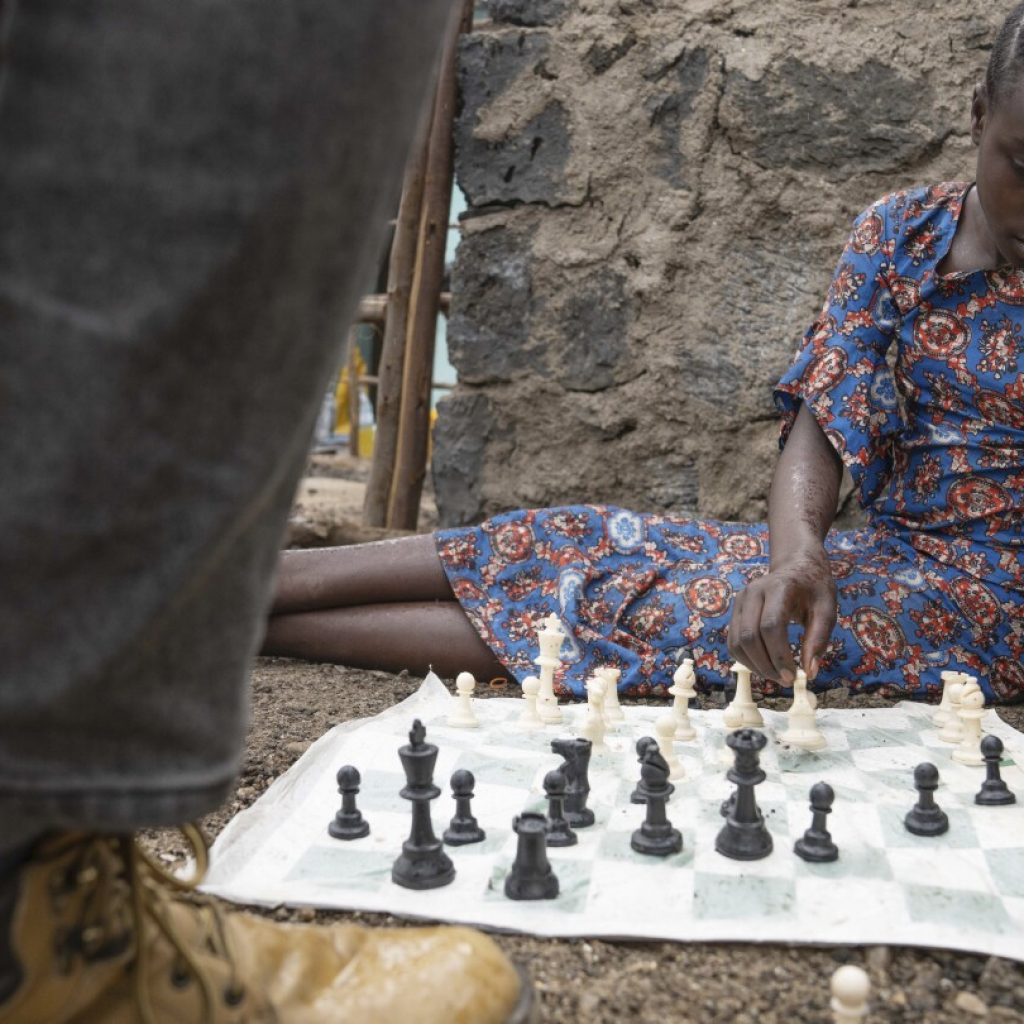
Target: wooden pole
414, 418
353, 393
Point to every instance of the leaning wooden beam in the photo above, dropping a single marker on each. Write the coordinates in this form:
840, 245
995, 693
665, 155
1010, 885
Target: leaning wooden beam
353, 393
414, 420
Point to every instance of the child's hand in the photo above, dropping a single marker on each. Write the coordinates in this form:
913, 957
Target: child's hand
799, 590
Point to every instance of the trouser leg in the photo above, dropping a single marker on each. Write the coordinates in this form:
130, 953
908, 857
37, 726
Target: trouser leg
192, 195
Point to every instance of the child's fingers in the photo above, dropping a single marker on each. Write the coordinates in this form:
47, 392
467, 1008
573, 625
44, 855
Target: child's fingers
820, 620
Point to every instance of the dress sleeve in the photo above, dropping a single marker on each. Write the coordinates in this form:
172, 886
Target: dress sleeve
840, 371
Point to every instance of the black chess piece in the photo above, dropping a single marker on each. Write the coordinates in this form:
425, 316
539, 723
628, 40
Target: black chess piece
559, 831
349, 822
531, 877
463, 828
925, 818
422, 864
994, 791
816, 843
638, 796
656, 836
576, 752
744, 835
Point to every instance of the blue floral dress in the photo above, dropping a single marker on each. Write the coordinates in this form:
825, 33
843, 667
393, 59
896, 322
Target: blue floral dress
915, 379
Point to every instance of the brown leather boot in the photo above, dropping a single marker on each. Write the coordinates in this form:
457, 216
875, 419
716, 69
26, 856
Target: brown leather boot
101, 934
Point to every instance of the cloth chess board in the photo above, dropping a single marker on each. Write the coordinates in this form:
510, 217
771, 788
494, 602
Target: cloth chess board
962, 890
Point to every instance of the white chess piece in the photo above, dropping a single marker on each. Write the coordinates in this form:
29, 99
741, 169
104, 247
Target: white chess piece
529, 719
463, 716
802, 729
664, 733
941, 716
613, 713
683, 690
851, 988
952, 731
742, 711
972, 707
550, 639
593, 722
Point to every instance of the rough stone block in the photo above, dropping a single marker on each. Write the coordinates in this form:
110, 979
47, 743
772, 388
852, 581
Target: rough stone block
460, 440
527, 12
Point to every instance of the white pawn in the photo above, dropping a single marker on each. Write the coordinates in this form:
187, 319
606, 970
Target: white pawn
952, 730
664, 732
942, 712
742, 711
682, 690
851, 988
802, 729
613, 713
529, 719
972, 705
593, 724
550, 639
463, 717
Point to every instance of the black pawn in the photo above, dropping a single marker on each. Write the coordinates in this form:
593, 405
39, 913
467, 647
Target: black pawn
349, 822
994, 792
656, 836
925, 818
422, 864
576, 752
744, 835
559, 832
531, 877
463, 827
638, 796
816, 844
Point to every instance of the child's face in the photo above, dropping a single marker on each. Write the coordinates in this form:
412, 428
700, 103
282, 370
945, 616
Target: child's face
998, 132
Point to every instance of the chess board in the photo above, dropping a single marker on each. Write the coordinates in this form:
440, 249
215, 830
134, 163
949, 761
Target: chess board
963, 890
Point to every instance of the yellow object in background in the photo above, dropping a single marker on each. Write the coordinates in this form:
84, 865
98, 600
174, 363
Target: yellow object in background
367, 425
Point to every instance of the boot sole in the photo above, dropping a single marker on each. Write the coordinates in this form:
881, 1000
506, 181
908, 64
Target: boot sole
527, 1008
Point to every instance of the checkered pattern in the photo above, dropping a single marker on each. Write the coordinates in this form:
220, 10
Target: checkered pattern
963, 890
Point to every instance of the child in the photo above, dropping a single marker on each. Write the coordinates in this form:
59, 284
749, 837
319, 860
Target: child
931, 278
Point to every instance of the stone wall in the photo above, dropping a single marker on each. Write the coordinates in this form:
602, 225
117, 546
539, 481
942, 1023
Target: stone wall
659, 190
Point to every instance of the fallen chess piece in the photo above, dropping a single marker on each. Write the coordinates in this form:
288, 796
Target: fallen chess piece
575, 767
802, 729
530, 718
559, 831
816, 845
744, 835
463, 828
683, 691
550, 639
742, 711
851, 989
531, 877
994, 791
926, 818
665, 730
613, 713
463, 717
349, 822
972, 708
952, 730
656, 837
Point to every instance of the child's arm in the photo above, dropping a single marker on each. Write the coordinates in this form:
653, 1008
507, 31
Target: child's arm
798, 586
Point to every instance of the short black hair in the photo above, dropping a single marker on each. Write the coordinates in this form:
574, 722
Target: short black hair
1006, 62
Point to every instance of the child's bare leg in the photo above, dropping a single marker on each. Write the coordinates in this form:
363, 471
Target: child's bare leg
405, 569
390, 637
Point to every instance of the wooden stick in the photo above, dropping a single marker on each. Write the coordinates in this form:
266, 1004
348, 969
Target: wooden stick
373, 308
353, 393
414, 421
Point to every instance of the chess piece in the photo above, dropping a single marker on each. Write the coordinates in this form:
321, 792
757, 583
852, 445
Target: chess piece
463, 717
576, 753
972, 707
851, 988
816, 844
683, 691
656, 836
994, 792
559, 831
742, 711
952, 730
593, 722
550, 639
613, 713
639, 795
349, 822
422, 864
664, 730
530, 719
925, 818
531, 877
463, 828
744, 835
945, 708
802, 729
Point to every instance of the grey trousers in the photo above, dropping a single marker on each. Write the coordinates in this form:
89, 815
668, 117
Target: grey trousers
193, 194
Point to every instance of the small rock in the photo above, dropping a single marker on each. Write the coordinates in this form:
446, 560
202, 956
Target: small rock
898, 998
305, 914
970, 1003
879, 958
297, 747
245, 792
